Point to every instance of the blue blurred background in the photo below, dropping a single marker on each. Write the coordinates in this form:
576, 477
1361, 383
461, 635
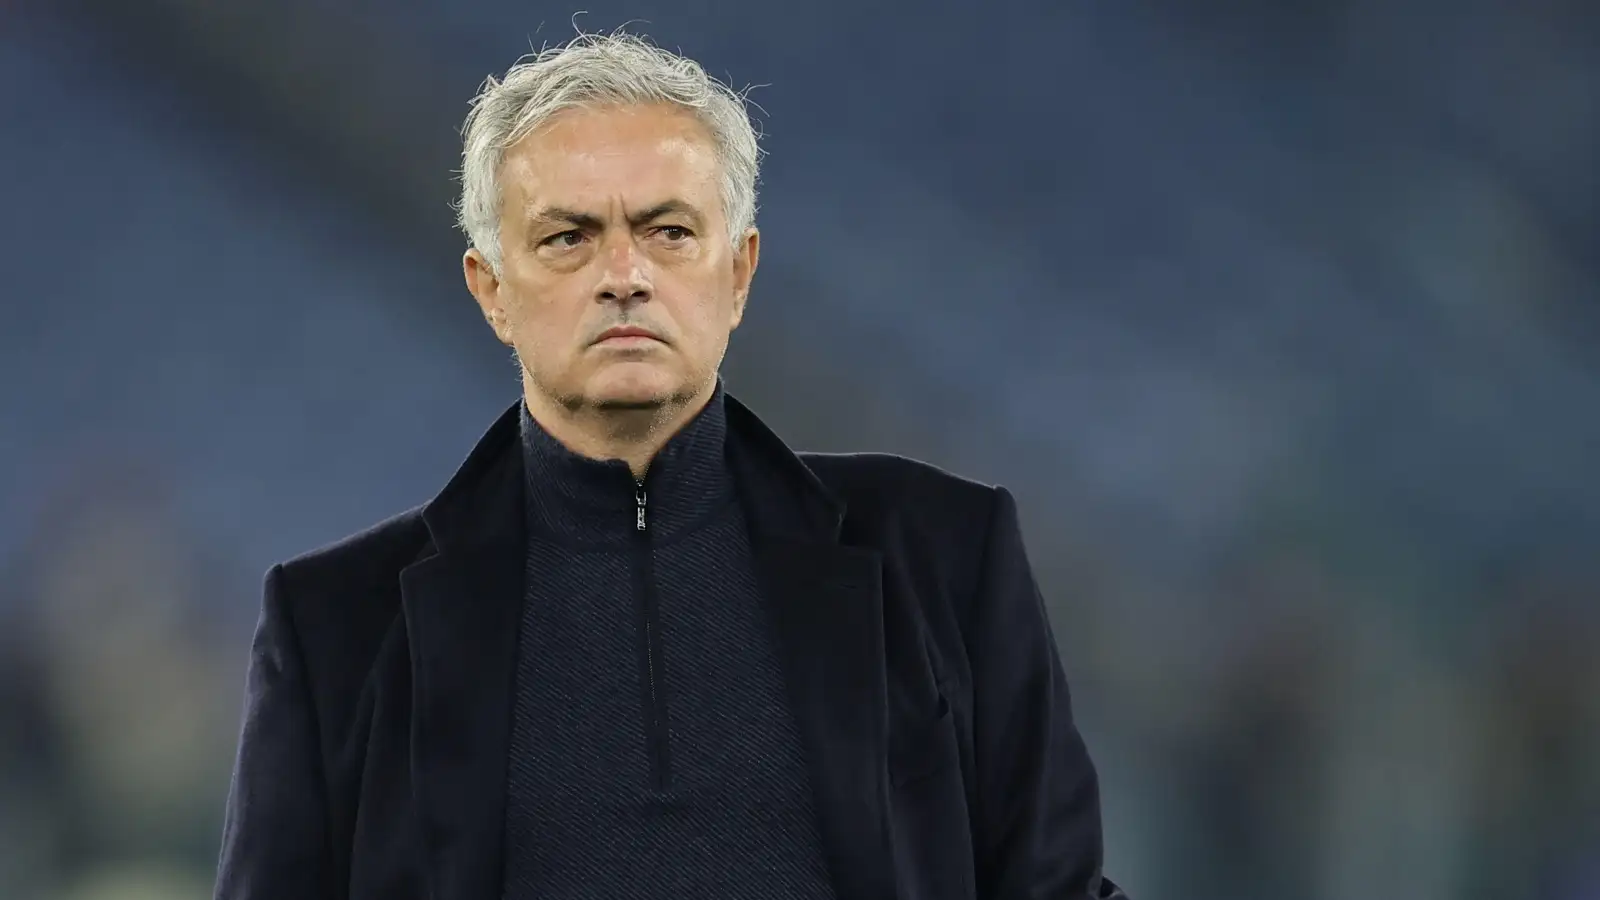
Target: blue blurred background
1282, 320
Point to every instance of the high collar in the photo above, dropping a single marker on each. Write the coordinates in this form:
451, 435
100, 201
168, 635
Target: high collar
479, 510
577, 498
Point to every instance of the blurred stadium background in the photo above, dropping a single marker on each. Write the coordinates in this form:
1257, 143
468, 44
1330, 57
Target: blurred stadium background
1281, 319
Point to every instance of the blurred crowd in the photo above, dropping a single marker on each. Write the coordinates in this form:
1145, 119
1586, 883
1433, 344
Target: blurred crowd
119, 700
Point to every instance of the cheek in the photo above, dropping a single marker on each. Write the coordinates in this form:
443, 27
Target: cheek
715, 297
710, 312
544, 317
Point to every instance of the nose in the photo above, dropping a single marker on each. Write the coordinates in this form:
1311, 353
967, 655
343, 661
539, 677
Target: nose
623, 278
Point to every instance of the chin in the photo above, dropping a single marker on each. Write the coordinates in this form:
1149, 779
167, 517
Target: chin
633, 386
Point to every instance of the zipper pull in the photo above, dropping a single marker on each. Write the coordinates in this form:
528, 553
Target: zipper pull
638, 496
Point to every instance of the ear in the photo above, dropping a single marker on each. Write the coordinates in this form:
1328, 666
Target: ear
485, 287
746, 256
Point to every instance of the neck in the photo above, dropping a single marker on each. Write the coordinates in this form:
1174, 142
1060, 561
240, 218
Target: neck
634, 436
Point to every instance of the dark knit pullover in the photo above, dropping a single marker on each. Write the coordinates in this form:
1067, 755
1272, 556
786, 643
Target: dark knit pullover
653, 754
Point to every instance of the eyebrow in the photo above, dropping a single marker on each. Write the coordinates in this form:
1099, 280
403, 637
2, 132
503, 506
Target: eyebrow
591, 222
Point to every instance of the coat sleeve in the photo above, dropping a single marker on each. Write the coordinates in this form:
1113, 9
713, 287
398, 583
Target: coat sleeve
1037, 817
275, 842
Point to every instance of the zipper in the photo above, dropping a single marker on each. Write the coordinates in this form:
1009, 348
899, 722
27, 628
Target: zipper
655, 708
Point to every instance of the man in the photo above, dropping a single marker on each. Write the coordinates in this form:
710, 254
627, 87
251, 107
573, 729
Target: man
637, 647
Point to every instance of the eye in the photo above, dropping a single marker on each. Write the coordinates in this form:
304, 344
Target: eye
564, 240
674, 233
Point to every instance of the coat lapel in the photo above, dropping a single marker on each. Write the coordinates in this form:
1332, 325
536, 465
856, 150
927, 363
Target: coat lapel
827, 600
463, 610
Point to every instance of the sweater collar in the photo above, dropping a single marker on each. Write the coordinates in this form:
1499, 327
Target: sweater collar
577, 497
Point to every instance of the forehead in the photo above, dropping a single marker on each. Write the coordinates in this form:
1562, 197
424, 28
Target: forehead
586, 157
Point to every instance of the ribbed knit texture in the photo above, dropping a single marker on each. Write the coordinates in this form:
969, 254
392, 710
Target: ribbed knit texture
586, 815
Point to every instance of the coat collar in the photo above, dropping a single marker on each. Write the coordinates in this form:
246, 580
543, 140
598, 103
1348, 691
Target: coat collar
804, 506
463, 611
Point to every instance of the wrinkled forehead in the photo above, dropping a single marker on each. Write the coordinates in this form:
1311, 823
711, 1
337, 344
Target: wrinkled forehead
628, 156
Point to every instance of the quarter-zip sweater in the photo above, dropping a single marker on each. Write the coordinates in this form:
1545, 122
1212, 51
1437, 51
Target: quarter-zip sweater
653, 753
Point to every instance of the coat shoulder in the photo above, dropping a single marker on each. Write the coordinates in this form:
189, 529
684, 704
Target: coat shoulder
915, 510
932, 527
377, 552
345, 596
884, 483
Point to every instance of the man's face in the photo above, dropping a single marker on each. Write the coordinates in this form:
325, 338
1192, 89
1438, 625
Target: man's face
612, 218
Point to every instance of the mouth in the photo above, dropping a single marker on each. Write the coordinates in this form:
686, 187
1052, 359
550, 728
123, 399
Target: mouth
627, 335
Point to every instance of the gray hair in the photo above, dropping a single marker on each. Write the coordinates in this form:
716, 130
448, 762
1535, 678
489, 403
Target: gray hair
588, 72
